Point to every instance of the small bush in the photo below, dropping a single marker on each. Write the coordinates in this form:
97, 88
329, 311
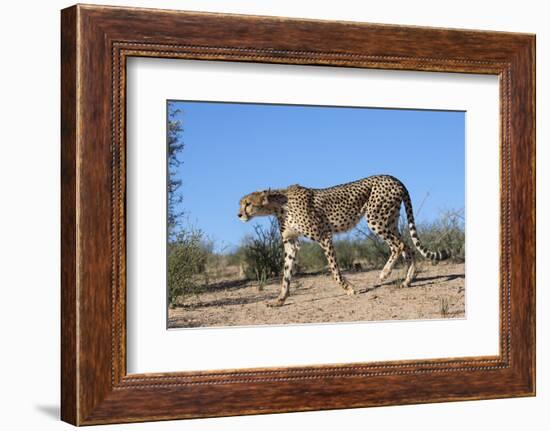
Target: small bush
346, 253
447, 232
310, 258
187, 257
262, 281
236, 258
262, 252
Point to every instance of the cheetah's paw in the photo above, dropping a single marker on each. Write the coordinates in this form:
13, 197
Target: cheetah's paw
277, 303
350, 291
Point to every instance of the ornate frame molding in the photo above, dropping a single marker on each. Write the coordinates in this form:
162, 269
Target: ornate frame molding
96, 41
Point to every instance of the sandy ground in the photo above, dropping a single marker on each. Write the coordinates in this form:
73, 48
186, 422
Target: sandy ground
437, 292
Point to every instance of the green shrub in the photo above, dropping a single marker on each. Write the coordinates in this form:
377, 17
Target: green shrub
187, 256
446, 232
237, 257
369, 248
310, 258
347, 251
262, 252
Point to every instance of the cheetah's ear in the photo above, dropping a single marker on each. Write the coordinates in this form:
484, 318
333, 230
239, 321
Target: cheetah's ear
265, 197
272, 198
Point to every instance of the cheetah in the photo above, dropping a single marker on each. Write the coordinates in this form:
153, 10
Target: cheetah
317, 214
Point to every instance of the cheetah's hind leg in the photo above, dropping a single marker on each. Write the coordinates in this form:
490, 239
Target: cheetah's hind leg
396, 248
408, 256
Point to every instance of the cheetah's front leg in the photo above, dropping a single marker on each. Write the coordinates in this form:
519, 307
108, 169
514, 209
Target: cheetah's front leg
291, 248
328, 248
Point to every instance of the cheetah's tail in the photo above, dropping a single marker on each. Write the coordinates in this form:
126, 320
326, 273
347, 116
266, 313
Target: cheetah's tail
433, 255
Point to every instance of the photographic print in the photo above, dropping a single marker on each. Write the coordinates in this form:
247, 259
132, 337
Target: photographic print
294, 214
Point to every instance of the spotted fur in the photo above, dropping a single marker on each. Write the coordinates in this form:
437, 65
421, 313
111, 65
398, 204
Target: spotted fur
319, 213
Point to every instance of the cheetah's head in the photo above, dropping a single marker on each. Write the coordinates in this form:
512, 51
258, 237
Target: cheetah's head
259, 204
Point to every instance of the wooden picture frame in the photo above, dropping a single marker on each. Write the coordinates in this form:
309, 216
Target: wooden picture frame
95, 43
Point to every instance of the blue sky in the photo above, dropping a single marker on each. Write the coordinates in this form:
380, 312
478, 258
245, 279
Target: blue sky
232, 149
